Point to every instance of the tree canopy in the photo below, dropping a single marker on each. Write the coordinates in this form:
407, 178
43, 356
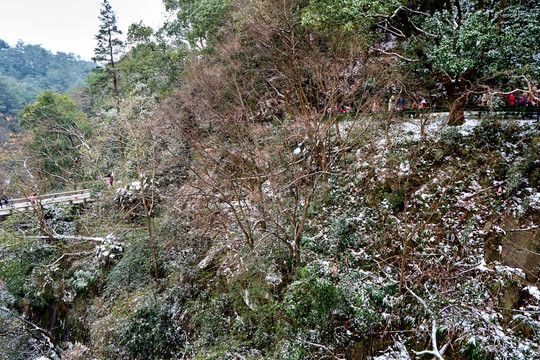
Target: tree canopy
27, 70
464, 45
59, 131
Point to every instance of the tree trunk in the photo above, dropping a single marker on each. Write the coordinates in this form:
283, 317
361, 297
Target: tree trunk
457, 111
457, 91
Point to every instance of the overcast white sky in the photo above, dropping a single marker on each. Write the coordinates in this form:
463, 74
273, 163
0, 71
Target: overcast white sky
70, 25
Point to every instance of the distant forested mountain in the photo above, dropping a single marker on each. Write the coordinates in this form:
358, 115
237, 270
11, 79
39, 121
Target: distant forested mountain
28, 70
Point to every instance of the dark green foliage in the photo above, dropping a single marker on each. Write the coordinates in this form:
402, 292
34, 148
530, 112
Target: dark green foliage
151, 67
314, 303
59, 131
344, 234
12, 98
212, 315
525, 172
134, 270
108, 44
22, 271
452, 139
151, 333
198, 21
397, 201
492, 133
15, 270
27, 70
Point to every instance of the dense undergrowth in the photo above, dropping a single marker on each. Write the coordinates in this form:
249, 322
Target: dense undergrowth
258, 191
439, 211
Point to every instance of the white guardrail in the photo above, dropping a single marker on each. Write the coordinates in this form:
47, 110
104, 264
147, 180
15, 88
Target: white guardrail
24, 204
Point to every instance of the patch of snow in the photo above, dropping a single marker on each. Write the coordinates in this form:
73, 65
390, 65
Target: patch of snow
510, 270
404, 168
482, 266
534, 201
273, 278
396, 352
468, 126
533, 290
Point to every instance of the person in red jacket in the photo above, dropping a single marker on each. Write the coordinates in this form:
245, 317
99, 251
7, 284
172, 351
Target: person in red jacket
511, 100
111, 179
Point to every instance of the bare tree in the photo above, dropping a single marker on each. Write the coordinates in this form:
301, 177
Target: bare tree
267, 118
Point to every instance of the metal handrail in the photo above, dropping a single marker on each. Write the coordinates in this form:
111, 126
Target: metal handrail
50, 196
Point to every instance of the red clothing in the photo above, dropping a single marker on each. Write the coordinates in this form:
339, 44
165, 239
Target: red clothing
511, 100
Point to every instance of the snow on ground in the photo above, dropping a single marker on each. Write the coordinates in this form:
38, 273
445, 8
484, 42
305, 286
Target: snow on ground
534, 200
397, 352
533, 290
410, 129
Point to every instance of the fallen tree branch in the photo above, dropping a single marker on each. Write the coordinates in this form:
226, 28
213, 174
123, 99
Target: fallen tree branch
322, 347
69, 237
435, 352
393, 54
526, 229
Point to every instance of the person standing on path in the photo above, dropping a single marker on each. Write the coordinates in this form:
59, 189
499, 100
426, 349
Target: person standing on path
391, 103
375, 105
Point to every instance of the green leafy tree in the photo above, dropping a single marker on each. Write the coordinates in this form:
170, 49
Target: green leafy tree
59, 136
473, 44
10, 95
28, 70
197, 21
464, 44
151, 66
109, 45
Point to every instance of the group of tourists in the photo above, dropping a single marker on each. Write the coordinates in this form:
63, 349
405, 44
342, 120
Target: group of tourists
4, 200
338, 109
333, 109
523, 100
514, 99
398, 104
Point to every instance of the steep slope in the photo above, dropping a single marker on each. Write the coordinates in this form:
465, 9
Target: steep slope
421, 246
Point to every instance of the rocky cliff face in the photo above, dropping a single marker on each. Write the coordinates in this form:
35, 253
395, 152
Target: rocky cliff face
520, 249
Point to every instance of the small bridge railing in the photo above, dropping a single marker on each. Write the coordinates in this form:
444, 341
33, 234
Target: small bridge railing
25, 204
46, 197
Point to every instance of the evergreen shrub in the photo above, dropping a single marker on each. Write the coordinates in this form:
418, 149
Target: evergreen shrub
525, 172
212, 318
344, 234
452, 139
151, 333
487, 134
134, 270
314, 303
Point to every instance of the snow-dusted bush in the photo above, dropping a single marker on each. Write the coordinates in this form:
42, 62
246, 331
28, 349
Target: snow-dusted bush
134, 270
452, 138
212, 316
81, 279
344, 234
151, 333
526, 171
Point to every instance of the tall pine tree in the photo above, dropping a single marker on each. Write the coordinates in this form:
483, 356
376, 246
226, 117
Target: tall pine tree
108, 45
